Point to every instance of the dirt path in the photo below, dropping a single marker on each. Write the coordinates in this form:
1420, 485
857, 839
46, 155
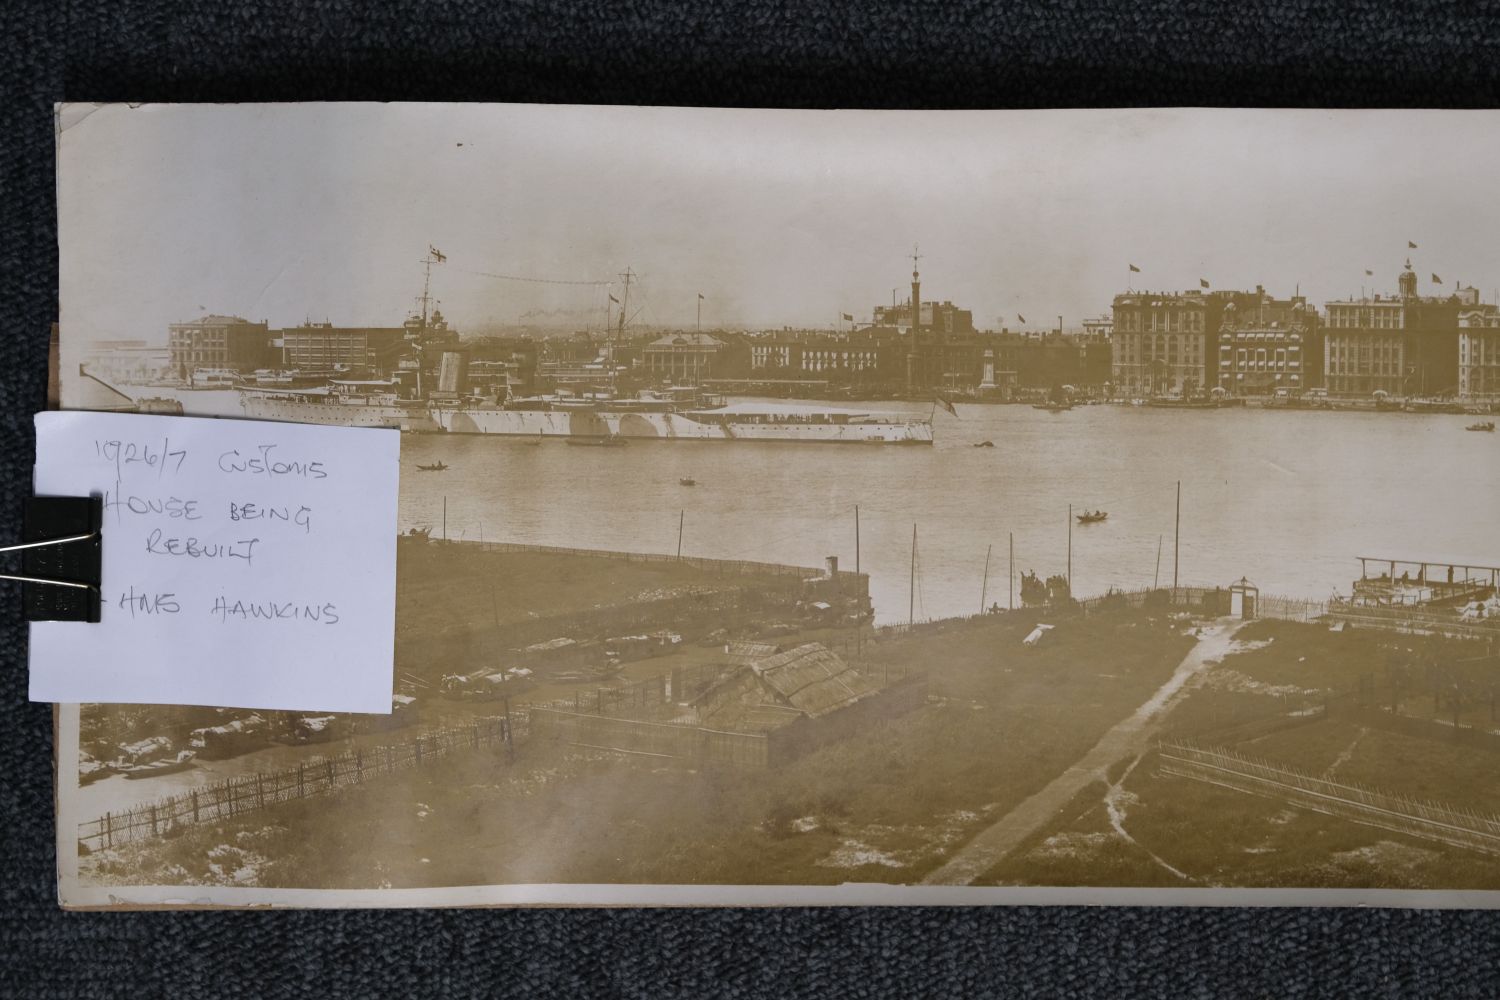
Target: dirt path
1130, 737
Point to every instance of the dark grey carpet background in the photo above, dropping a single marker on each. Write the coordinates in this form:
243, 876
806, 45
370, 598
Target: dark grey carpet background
752, 52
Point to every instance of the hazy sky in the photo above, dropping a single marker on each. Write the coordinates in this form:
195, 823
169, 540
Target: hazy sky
323, 211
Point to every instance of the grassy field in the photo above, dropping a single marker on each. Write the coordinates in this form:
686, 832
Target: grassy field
443, 589
1268, 700
889, 804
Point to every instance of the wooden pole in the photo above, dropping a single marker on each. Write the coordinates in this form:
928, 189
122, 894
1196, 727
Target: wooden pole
856, 539
445, 519
1156, 580
681, 515
984, 587
1070, 550
911, 604
1010, 600
1176, 537
510, 746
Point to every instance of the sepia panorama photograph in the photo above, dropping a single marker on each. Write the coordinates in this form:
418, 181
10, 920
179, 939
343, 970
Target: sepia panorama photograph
828, 505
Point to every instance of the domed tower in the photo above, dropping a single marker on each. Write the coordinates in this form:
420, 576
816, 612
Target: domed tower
1407, 282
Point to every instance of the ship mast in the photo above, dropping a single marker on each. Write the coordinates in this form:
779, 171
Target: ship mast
434, 256
614, 362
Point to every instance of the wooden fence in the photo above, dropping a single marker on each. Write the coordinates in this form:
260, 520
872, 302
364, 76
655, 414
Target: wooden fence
1386, 810
237, 796
642, 698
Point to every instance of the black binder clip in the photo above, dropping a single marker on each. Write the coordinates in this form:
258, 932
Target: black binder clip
60, 558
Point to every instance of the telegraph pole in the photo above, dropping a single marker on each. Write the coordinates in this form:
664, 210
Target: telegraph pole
1070, 550
856, 539
1176, 537
911, 606
984, 587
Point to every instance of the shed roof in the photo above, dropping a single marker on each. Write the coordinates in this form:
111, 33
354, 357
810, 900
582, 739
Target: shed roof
751, 648
813, 679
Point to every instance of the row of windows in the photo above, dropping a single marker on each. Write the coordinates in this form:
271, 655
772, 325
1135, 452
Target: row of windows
1364, 368
1479, 350
1365, 318
1258, 335
1160, 320
1261, 359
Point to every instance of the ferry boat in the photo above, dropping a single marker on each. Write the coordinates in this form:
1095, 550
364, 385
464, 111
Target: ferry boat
667, 420
212, 378
1182, 403
342, 403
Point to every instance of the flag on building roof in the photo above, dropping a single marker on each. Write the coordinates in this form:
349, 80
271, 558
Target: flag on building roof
938, 397
1410, 245
848, 316
1369, 273
1203, 282
1134, 268
1020, 317
437, 254
700, 296
1436, 280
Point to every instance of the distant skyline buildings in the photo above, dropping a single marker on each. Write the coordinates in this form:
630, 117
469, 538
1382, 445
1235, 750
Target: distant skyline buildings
934, 312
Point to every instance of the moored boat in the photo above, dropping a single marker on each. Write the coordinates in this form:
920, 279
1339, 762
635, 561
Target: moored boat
1182, 403
342, 403
620, 420
169, 765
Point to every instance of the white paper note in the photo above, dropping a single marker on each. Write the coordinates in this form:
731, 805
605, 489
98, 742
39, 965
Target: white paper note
245, 564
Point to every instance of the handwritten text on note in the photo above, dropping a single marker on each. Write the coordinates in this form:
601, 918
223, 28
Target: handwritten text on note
246, 564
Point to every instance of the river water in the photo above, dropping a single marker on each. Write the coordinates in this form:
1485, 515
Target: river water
1286, 498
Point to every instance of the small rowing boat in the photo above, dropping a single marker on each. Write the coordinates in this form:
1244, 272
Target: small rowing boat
171, 765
